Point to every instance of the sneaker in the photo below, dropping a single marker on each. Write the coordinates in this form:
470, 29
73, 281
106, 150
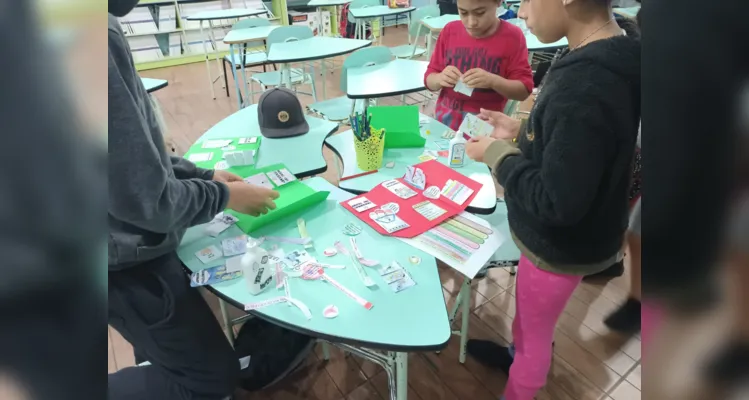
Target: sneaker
616, 270
627, 319
491, 354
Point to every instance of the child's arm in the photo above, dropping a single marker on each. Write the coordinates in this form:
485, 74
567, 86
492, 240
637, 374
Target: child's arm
518, 81
438, 75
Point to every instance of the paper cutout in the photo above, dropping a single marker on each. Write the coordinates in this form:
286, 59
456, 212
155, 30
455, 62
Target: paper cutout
456, 191
361, 204
280, 276
264, 303
359, 256
216, 143
402, 284
387, 220
281, 177
199, 157
351, 229
302, 227
432, 192
329, 252
234, 246
392, 207
213, 275
415, 177
473, 126
221, 165
448, 134
240, 158
210, 253
248, 140
461, 87
398, 189
259, 180
301, 241
330, 311
229, 148
394, 266
364, 303
366, 280
442, 144
390, 164
429, 210
301, 306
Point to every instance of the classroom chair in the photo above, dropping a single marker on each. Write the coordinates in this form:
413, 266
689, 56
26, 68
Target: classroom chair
364, 23
252, 58
415, 28
340, 108
299, 76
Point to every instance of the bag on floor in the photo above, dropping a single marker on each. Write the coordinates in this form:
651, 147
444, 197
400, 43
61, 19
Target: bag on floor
274, 353
347, 29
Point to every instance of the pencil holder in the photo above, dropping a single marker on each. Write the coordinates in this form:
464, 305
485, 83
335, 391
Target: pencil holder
369, 152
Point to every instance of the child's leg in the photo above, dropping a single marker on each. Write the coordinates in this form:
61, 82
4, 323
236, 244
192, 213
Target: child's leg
541, 298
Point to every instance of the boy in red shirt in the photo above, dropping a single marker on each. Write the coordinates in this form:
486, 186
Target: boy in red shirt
490, 56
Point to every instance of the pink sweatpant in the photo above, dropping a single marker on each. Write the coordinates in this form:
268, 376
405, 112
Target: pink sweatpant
541, 298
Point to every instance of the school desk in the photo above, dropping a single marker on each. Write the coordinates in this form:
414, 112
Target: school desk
302, 155
435, 26
319, 4
397, 77
314, 48
532, 42
210, 16
153, 85
412, 320
238, 37
360, 14
351, 180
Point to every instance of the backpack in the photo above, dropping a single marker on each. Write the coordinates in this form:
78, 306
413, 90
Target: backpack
345, 28
274, 353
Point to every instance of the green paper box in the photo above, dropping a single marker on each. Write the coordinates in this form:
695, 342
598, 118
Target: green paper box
401, 124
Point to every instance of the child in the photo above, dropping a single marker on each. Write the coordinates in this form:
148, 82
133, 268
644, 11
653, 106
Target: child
488, 54
566, 184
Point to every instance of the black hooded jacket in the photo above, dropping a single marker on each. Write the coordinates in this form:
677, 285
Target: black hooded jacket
566, 188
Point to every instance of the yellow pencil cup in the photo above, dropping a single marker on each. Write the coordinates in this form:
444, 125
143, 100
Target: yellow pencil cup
369, 152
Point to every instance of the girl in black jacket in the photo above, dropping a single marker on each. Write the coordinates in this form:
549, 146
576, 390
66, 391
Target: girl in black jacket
566, 183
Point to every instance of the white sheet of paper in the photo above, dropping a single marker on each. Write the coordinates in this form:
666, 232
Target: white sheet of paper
361, 204
281, 176
200, 157
259, 180
393, 226
248, 140
415, 177
208, 254
461, 87
216, 143
475, 127
399, 189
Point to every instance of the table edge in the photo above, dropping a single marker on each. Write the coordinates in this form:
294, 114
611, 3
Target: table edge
157, 87
234, 16
316, 58
404, 10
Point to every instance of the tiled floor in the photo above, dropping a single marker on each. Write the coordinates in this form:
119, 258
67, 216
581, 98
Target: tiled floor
590, 362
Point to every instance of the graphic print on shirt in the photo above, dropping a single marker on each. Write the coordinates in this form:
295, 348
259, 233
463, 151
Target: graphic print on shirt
450, 111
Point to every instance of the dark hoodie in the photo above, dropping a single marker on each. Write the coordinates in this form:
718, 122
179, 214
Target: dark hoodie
566, 185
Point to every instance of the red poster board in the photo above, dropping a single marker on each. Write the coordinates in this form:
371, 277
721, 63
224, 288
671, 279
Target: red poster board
436, 174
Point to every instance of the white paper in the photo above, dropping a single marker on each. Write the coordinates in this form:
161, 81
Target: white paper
429, 210
199, 157
479, 257
248, 140
461, 87
281, 176
475, 126
415, 177
259, 180
361, 204
215, 144
399, 189
210, 253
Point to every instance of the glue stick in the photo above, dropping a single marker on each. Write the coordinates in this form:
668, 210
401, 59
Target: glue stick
257, 271
457, 151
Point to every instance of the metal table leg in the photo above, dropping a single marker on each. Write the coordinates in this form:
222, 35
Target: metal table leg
207, 63
236, 81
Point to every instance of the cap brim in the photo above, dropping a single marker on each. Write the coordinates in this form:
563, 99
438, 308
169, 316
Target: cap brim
285, 132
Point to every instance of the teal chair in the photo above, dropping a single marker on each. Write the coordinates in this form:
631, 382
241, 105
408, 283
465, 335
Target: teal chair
299, 76
360, 33
252, 58
340, 108
409, 51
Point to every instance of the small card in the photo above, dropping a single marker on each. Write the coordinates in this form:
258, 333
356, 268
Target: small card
432, 192
199, 157
361, 204
394, 266
399, 189
442, 144
212, 275
394, 276
474, 126
461, 87
391, 223
402, 284
426, 157
208, 254
234, 246
390, 164
456, 191
415, 177
215, 144
443, 153
248, 140
297, 258
221, 223
259, 180
281, 176
429, 210
448, 134
351, 229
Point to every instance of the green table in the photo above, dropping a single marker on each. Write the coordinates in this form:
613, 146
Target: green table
343, 145
413, 320
302, 155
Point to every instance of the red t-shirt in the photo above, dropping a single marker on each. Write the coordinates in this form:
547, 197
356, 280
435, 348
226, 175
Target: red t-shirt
504, 53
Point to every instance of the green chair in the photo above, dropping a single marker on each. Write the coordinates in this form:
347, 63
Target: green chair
340, 108
409, 51
359, 34
299, 76
252, 58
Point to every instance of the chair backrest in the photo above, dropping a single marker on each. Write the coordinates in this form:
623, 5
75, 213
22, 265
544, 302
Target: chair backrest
367, 56
250, 23
416, 29
288, 33
360, 4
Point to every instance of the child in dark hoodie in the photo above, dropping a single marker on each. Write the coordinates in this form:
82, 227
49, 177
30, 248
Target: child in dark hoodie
566, 183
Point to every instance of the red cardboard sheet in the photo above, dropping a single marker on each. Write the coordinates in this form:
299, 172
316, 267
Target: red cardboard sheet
436, 174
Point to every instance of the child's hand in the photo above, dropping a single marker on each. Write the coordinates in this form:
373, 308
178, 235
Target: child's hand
505, 127
449, 76
478, 78
476, 148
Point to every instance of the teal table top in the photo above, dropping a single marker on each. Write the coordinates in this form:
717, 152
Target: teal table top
226, 14
314, 48
302, 155
390, 79
343, 145
629, 12
153, 85
238, 36
508, 251
377, 11
532, 41
325, 3
413, 319
436, 24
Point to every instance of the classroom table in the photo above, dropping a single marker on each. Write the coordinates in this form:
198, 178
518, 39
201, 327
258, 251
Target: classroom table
361, 13
319, 4
532, 41
153, 85
435, 26
314, 48
397, 77
412, 320
629, 12
343, 145
239, 37
302, 155
211, 16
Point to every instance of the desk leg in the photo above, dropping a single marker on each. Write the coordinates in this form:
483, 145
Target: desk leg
466, 313
244, 83
319, 22
212, 35
236, 81
324, 79
227, 322
286, 68
207, 63
401, 372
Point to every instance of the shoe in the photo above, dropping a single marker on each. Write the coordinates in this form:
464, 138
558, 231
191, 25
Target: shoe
491, 354
627, 319
614, 271
730, 366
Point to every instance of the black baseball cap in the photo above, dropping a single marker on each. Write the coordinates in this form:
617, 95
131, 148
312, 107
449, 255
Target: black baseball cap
280, 114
